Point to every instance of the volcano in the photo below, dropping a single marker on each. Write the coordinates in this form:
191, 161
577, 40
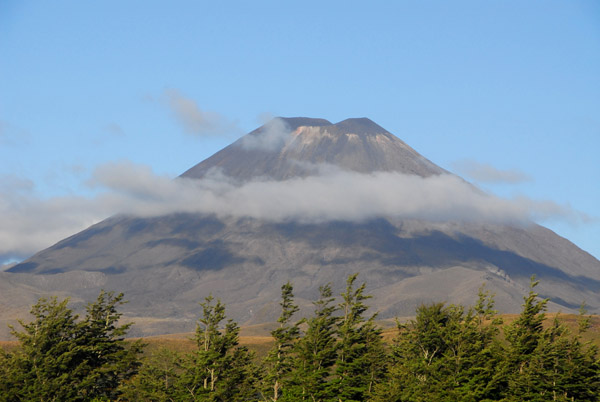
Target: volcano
166, 264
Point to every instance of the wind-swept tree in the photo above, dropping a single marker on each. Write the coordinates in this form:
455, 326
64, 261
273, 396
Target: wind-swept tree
61, 358
108, 358
361, 355
316, 353
279, 360
218, 360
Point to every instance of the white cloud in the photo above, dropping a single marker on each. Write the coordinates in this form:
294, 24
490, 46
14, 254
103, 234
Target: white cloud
194, 120
30, 224
273, 135
485, 173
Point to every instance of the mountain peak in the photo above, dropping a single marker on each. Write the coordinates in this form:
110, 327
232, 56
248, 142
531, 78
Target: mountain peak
355, 125
360, 126
288, 147
294, 122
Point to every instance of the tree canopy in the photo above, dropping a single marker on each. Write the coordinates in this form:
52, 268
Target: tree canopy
446, 353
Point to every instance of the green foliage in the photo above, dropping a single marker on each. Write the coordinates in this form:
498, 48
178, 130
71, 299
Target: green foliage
221, 371
213, 346
279, 362
158, 379
548, 363
64, 359
447, 353
316, 353
361, 356
444, 354
109, 361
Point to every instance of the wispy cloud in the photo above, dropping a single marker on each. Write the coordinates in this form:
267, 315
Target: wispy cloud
114, 129
12, 135
273, 134
30, 223
485, 173
193, 119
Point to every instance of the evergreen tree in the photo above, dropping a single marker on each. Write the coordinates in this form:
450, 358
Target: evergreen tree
560, 368
108, 359
583, 369
48, 365
478, 353
523, 369
444, 354
158, 379
218, 360
279, 359
359, 364
63, 359
9, 377
316, 353
242, 378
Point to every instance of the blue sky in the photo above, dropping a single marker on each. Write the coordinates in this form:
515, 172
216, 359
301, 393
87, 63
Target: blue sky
507, 94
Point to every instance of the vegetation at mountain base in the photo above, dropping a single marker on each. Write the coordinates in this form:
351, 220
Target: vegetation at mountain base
446, 353
62, 358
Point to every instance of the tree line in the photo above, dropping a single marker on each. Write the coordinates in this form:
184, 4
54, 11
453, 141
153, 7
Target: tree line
446, 353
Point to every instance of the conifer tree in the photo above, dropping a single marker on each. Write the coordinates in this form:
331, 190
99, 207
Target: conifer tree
279, 359
241, 381
444, 354
109, 360
583, 369
49, 358
561, 368
359, 364
218, 359
10, 377
478, 352
524, 366
61, 358
316, 353
158, 379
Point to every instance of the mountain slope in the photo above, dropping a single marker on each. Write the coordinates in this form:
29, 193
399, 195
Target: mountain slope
166, 264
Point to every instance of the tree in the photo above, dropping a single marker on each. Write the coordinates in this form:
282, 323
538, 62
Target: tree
9, 377
158, 379
444, 354
221, 371
360, 360
549, 363
279, 359
316, 353
108, 359
48, 366
524, 365
61, 358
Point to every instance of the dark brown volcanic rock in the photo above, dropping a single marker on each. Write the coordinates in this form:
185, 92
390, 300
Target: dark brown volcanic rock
166, 265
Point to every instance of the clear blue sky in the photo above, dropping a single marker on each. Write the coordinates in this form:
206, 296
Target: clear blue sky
506, 93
